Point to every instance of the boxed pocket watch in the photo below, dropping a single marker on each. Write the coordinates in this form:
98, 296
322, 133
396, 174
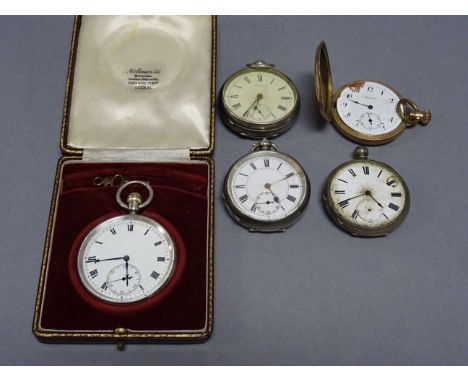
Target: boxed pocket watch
128, 255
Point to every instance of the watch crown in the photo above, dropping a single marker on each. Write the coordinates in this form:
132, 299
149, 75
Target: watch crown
134, 200
260, 64
361, 152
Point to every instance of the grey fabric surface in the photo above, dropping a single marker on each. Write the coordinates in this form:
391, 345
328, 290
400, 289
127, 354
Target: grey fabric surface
312, 295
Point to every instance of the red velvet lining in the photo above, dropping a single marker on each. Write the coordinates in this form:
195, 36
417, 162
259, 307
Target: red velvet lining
180, 204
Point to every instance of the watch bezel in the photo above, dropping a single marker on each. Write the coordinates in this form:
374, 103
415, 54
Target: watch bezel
255, 225
357, 229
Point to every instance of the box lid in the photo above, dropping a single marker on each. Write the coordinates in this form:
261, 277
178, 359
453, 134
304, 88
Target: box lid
141, 83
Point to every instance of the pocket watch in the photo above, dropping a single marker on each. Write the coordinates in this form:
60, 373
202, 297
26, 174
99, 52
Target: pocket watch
266, 190
365, 197
365, 111
127, 258
259, 101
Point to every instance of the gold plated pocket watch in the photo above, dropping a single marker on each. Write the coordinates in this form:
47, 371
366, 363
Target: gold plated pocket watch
127, 258
266, 190
259, 101
365, 197
365, 111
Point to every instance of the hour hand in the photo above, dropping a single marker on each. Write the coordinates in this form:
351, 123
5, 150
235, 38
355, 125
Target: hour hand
370, 107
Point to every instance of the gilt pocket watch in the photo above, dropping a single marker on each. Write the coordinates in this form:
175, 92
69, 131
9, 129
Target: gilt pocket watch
266, 190
127, 258
259, 101
365, 197
365, 111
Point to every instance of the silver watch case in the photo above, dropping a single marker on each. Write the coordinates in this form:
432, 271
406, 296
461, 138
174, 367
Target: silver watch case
258, 130
356, 229
250, 223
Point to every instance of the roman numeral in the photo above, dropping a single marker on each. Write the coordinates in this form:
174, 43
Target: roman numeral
290, 174
243, 198
279, 166
355, 214
386, 217
281, 88
242, 174
146, 232
259, 77
155, 275
254, 207
351, 171
157, 243
236, 106
272, 80
240, 185
339, 192
91, 259
294, 186
113, 231
342, 180
393, 206
266, 162
94, 273
130, 227
291, 198
98, 242
161, 259
286, 98
104, 286
396, 194
365, 169
252, 164
281, 107
246, 79
391, 181
378, 176
234, 96
344, 203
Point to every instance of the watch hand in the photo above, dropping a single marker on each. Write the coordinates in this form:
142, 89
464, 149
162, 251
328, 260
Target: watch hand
121, 279
257, 99
99, 260
380, 205
126, 270
353, 197
370, 107
268, 187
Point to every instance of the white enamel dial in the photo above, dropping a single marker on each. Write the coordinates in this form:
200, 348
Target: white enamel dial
367, 193
267, 187
126, 259
369, 108
259, 96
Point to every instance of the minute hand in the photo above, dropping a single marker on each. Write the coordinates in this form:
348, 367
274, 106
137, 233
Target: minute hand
99, 260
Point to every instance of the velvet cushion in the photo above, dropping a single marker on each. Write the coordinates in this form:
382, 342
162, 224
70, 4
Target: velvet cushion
180, 204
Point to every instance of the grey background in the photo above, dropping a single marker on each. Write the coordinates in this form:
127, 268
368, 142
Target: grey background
312, 295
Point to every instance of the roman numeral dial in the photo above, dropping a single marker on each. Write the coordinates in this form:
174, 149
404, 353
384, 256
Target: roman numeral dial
367, 194
119, 259
259, 96
265, 186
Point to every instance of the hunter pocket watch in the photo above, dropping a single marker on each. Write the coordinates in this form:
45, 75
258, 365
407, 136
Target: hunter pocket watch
127, 258
266, 190
365, 197
365, 111
259, 101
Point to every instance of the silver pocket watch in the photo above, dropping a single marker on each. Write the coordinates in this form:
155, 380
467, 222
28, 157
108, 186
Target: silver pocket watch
127, 258
266, 190
259, 101
365, 197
